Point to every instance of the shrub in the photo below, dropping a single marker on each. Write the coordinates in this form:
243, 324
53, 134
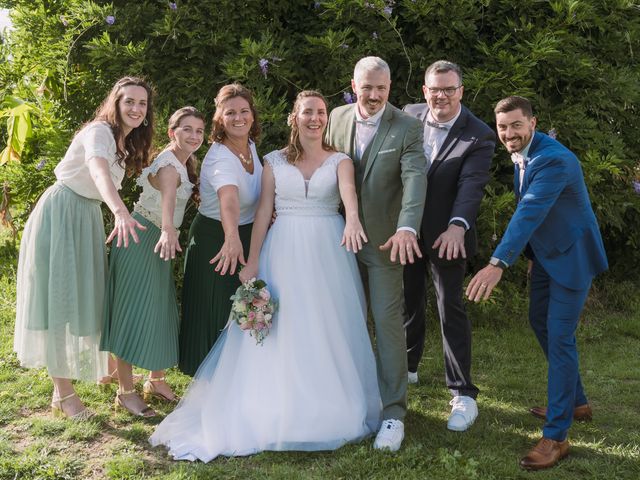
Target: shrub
575, 61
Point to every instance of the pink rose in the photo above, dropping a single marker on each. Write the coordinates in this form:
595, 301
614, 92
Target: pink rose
259, 302
251, 316
246, 326
260, 326
264, 294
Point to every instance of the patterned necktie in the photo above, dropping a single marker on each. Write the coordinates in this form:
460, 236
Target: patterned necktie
520, 160
436, 125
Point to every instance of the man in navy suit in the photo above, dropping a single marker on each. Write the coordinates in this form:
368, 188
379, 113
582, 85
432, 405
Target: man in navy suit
459, 148
554, 221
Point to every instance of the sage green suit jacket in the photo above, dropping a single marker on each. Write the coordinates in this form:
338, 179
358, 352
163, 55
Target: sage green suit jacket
394, 185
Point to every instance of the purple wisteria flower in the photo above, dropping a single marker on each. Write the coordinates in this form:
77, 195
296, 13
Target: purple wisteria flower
41, 164
64, 21
553, 133
369, 5
374, 35
264, 66
173, 6
348, 97
316, 5
636, 186
344, 45
110, 19
387, 10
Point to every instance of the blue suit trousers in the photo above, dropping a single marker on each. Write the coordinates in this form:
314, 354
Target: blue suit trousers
554, 312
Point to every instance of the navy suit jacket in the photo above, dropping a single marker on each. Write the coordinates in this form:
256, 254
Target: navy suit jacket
554, 217
456, 179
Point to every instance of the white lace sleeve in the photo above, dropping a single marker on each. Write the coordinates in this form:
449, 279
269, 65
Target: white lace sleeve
338, 157
167, 158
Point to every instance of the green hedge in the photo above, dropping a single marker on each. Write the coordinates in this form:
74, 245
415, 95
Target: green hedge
576, 60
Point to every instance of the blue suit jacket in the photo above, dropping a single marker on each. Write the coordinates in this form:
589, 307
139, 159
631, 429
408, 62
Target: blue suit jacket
554, 216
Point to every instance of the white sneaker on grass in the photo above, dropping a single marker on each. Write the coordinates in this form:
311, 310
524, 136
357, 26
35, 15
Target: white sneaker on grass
464, 411
390, 436
412, 377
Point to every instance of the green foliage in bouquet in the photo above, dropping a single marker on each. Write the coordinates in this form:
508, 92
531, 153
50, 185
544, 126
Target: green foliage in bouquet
576, 60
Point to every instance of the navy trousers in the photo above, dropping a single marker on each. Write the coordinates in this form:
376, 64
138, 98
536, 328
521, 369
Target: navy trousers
554, 312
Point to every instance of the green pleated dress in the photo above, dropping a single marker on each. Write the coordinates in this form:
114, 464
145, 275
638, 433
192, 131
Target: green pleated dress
206, 294
141, 318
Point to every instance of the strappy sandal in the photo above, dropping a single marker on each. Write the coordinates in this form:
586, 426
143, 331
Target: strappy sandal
146, 412
149, 391
112, 378
58, 412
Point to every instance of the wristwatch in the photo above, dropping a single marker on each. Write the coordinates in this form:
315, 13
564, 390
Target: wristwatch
458, 223
496, 262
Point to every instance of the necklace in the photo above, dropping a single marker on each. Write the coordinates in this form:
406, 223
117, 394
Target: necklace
238, 153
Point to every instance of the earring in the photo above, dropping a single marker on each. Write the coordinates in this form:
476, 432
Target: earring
145, 122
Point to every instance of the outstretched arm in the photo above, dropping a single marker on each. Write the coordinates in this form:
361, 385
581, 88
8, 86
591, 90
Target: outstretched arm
124, 224
166, 181
353, 236
261, 223
231, 252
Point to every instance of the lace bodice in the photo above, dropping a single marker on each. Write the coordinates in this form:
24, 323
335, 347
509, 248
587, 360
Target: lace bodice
297, 196
150, 203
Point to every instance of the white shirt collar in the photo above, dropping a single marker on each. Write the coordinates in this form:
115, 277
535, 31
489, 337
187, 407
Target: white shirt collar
447, 124
373, 118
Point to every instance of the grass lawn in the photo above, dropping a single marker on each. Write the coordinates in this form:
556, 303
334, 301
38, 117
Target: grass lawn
508, 367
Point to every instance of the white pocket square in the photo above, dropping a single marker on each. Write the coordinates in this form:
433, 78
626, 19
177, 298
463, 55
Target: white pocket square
387, 151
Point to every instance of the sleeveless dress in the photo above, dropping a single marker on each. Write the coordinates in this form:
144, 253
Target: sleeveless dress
141, 314
312, 384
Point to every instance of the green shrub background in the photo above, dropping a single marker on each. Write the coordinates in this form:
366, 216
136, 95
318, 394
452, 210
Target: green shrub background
576, 60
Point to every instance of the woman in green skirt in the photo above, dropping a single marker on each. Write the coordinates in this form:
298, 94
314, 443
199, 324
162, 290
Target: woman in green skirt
221, 231
141, 313
62, 268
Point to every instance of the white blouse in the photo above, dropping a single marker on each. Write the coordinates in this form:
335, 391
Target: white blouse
221, 167
149, 205
94, 140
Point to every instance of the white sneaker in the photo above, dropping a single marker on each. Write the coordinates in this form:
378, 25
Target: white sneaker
412, 377
464, 411
390, 436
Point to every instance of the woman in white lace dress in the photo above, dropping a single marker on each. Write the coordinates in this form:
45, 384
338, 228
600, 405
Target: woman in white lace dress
312, 384
141, 314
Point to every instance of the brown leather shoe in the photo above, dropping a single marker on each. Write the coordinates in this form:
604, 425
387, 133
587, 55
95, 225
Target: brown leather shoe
581, 413
545, 454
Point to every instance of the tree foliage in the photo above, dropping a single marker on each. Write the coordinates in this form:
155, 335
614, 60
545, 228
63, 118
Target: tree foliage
575, 59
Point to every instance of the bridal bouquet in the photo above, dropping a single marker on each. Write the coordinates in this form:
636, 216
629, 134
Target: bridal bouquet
253, 308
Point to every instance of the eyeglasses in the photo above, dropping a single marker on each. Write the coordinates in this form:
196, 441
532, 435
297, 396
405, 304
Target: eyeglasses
449, 91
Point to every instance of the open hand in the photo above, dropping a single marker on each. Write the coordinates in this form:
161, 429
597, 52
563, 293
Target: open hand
403, 244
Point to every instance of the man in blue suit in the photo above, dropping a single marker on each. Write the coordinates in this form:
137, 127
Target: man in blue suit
555, 225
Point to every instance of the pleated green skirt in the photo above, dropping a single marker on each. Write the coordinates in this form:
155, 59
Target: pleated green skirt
206, 294
141, 314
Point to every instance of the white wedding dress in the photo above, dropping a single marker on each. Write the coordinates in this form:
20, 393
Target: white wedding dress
312, 384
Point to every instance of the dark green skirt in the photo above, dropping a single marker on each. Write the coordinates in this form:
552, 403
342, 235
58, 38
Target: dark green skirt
205, 294
141, 314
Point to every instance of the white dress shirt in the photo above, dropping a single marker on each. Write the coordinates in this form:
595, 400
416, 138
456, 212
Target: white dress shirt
366, 129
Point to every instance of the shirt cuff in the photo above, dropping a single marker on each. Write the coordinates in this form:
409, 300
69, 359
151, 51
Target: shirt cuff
460, 219
408, 229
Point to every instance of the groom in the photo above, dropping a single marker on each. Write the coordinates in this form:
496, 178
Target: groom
386, 147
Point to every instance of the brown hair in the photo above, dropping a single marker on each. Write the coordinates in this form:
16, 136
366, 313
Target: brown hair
443, 66
137, 144
512, 103
192, 161
226, 93
294, 148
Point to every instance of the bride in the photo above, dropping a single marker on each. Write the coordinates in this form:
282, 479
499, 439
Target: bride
312, 384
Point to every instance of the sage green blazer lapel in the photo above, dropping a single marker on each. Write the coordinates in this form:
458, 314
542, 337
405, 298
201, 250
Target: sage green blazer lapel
378, 138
